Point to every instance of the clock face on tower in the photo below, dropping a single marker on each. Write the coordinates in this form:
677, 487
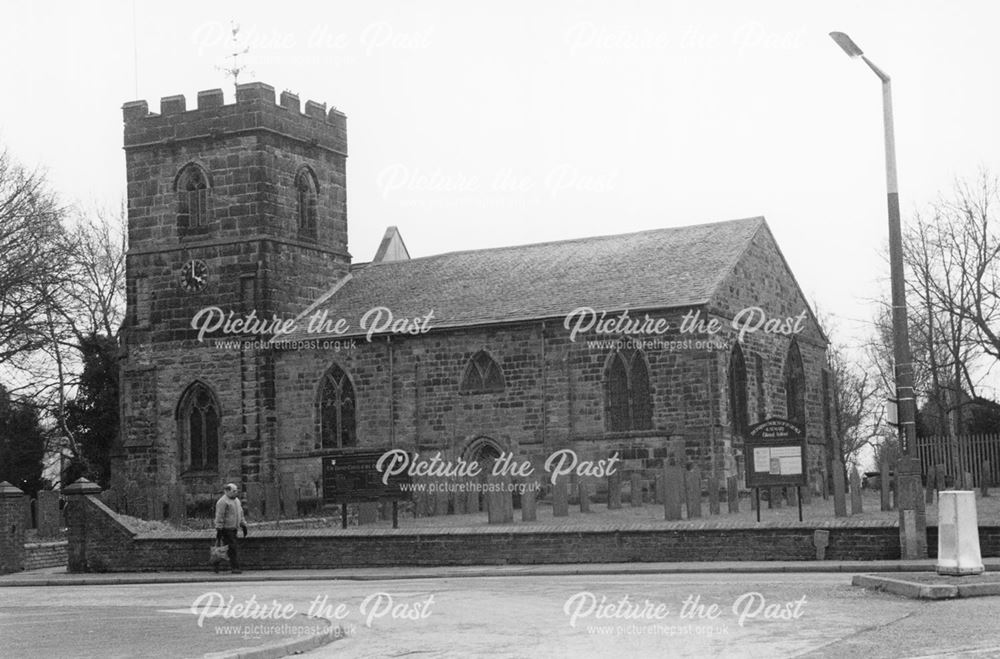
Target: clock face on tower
194, 275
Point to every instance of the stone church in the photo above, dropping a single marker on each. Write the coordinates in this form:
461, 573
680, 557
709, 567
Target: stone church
651, 344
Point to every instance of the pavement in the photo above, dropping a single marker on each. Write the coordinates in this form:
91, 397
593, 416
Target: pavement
60, 577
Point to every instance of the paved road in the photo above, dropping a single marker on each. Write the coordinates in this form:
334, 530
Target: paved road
782, 615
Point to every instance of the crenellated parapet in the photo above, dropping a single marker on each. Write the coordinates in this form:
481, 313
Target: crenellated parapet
255, 110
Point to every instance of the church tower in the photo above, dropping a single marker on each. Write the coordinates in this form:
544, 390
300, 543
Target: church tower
241, 207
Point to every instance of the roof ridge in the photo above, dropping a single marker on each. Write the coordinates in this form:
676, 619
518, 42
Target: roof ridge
759, 219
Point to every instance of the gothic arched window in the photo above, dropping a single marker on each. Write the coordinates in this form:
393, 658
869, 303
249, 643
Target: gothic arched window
192, 197
338, 427
482, 375
198, 426
627, 399
306, 200
795, 385
739, 414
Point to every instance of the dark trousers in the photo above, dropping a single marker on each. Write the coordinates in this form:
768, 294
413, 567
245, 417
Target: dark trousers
229, 538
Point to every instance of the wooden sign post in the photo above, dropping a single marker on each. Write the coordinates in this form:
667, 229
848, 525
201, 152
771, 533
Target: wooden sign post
776, 457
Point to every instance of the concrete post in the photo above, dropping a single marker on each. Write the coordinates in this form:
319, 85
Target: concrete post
11, 528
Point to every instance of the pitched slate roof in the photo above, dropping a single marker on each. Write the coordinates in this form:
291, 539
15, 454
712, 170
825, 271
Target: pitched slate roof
661, 268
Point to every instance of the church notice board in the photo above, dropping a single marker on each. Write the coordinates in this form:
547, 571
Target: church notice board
351, 477
776, 454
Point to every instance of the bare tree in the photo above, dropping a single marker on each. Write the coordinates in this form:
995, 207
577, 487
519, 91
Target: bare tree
30, 258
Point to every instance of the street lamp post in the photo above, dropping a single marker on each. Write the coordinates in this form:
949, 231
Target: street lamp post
912, 516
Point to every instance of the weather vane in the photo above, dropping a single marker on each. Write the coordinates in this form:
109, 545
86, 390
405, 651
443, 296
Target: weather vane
236, 67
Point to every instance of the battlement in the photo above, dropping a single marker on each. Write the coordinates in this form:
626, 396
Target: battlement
255, 110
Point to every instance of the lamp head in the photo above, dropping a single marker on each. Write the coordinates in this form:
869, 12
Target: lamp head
846, 44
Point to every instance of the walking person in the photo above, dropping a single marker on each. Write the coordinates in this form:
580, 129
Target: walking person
228, 521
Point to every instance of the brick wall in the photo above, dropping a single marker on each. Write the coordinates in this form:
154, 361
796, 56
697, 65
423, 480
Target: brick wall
109, 546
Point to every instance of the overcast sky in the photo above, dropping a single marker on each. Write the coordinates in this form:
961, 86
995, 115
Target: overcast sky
476, 125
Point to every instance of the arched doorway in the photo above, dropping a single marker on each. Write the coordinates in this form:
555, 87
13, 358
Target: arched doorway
484, 451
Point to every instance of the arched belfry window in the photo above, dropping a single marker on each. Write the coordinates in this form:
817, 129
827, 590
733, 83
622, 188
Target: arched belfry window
192, 189
198, 426
338, 426
739, 414
482, 375
306, 194
795, 385
627, 400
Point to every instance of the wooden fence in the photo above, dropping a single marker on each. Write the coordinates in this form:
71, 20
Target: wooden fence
965, 453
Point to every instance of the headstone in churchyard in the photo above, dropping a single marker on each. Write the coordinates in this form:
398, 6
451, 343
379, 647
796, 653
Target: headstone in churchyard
615, 490
560, 497
154, 503
459, 501
584, 492
821, 540
367, 512
253, 505
856, 505
673, 495
806, 493
733, 494
692, 483
47, 510
442, 503
635, 481
499, 502
928, 487
289, 499
793, 496
472, 502
940, 477
713, 495
272, 502
967, 482
839, 491
775, 496
658, 488
177, 506
529, 508
984, 482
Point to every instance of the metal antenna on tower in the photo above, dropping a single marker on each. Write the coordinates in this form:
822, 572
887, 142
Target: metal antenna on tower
235, 68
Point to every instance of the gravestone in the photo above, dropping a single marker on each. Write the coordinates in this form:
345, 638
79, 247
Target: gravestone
636, 482
177, 505
839, 493
930, 486
615, 490
692, 484
821, 540
733, 494
967, 482
367, 512
529, 508
289, 499
940, 477
774, 496
713, 495
155, 497
49, 516
442, 503
856, 505
499, 502
584, 492
984, 482
560, 497
658, 488
272, 502
472, 502
673, 495
806, 493
884, 485
793, 496
458, 501
253, 502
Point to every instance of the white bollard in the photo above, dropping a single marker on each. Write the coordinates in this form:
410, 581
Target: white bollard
958, 533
